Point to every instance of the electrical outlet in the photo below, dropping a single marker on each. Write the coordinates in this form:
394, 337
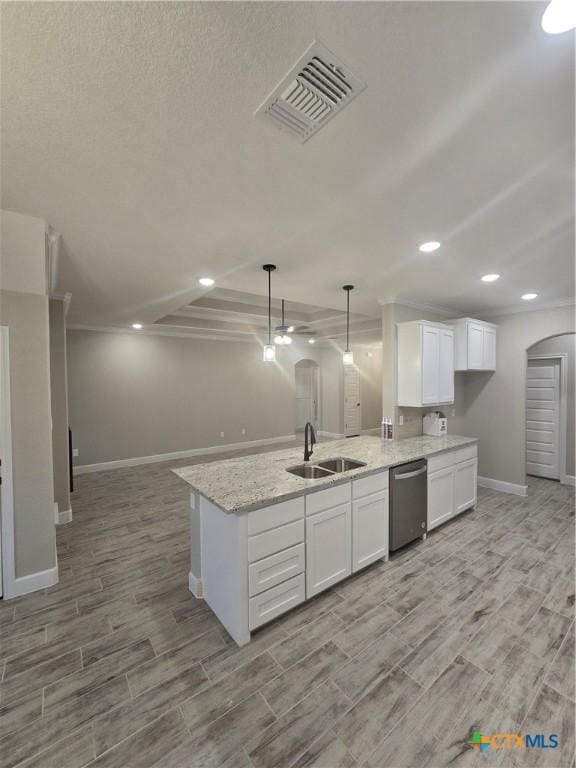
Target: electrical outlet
401, 420
243, 431
74, 452
453, 412
221, 434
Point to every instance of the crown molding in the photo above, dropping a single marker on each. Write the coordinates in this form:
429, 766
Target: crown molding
65, 298
53, 240
155, 332
452, 313
160, 331
522, 309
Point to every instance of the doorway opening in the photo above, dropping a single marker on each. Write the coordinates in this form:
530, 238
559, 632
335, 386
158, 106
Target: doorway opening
307, 389
550, 409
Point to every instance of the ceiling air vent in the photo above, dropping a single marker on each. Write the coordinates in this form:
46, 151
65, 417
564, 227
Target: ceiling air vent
317, 87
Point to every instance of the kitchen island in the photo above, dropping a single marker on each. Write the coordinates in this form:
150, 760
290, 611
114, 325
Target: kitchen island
264, 540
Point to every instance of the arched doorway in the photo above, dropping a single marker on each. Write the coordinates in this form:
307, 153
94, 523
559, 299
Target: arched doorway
550, 416
307, 392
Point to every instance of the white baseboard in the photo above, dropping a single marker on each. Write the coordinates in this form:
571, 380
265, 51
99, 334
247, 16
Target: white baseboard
64, 517
83, 469
35, 581
569, 480
195, 586
333, 435
500, 485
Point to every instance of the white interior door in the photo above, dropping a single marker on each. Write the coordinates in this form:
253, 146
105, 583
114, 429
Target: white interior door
352, 403
307, 385
543, 418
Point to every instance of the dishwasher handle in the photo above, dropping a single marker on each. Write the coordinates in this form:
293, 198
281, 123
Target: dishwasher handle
406, 475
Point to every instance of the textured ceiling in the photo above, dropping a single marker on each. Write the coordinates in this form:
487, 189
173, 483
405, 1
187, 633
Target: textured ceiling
129, 127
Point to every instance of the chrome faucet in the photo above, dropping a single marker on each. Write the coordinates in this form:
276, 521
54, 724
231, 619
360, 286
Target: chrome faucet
308, 451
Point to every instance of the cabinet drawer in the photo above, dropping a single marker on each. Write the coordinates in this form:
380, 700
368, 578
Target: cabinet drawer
275, 601
331, 497
275, 569
450, 458
270, 542
264, 519
371, 484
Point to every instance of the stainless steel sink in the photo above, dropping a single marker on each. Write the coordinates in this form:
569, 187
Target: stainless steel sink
325, 468
341, 464
309, 471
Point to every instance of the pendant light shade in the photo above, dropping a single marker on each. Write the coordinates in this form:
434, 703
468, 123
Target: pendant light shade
269, 349
269, 353
348, 357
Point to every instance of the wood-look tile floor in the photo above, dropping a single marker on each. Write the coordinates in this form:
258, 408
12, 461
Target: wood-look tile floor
120, 666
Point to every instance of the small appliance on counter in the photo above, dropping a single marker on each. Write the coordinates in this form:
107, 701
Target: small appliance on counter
435, 424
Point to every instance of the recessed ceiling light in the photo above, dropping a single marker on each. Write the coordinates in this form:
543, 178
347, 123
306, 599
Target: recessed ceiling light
490, 278
529, 296
137, 326
311, 341
433, 245
559, 16
206, 281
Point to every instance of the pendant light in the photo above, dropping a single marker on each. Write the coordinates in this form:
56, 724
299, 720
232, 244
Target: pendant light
283, 331
348, 357
269, 349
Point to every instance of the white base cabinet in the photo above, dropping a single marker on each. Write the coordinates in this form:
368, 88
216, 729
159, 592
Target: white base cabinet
258, 565
328, 548
440, 496
369, 529
465, 478
452, 482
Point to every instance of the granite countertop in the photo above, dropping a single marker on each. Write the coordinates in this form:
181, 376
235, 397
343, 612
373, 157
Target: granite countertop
250, 482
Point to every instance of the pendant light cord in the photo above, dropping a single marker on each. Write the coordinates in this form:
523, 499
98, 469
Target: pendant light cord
347, 321
269, 307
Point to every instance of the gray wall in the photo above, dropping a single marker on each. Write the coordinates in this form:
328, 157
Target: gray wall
491, 406
59, 400
133, 395
554, 346
24, 310
26, 315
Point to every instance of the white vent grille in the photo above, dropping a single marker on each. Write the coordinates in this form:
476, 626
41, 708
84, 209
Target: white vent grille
317, 87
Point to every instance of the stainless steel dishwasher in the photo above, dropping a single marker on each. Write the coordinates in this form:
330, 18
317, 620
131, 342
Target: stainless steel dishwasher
408, 503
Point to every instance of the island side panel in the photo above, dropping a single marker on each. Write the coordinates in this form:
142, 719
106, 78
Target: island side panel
195, 576
225, 568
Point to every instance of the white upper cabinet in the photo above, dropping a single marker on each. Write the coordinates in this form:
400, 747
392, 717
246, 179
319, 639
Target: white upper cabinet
425, 364
474, 345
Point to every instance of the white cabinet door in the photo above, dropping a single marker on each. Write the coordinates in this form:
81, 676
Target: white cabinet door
328, 548
475, 346
446, 368
440, 496
489, 349
369, 529
465, 485
430, 365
